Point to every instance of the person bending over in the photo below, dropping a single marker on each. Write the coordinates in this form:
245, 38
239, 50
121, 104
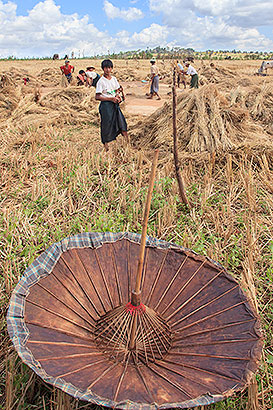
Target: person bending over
108, 92
92, 76
193, 73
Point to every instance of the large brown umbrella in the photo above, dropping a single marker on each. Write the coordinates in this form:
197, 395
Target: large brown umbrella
126, 322
206, 341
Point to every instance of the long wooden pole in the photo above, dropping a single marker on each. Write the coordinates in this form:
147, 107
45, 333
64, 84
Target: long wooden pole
182, 191
145, 223
135, 298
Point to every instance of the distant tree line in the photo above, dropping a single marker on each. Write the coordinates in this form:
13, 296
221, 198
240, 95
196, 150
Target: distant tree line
166, 53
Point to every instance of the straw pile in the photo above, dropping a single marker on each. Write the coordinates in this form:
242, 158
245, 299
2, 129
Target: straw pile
9, 100
14, 76
50, 77
217, 75
70, 106
206, 121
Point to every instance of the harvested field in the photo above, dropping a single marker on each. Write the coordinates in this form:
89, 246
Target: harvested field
57, 181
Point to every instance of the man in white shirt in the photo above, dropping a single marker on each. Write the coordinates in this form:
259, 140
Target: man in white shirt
108, 92
193, 73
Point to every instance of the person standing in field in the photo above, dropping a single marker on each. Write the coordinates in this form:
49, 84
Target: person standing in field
108, 92
193, 73
180, 75
92, 76
67, 70
154, 80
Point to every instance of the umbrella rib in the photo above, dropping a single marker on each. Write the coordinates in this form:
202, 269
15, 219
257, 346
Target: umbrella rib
66, 332
73, 296
208, 355
116, 273
159, 364
59, 315
81, 368
59, 343
149, 319
70, 308
157, 277
152, 335
83, 290
113, 320
176, 385
143, 380
103, 278
201, 370
214, 329
149, 343
210, 316
171, 282
92, 283
119, 340
216, 342
192, 297
43, 359
153, 318
102, 375
121, 377
144, 344
203, 306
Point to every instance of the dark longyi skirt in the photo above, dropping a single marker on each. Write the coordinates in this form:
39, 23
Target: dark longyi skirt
112, 121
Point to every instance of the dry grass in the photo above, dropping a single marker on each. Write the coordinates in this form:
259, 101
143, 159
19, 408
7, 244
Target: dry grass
56, 181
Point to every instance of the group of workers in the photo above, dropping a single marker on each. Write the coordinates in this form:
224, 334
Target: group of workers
89, 77
181, 73
110, 93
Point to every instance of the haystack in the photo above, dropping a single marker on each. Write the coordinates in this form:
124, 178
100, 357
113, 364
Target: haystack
218, 75
70, 106
50, 77
9, 100
205, 120
14, 77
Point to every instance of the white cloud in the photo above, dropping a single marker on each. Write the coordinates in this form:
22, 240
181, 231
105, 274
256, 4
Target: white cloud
217, 23
113, 12
46, 30
150, 36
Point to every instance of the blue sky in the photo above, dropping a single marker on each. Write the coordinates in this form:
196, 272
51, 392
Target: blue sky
41, 28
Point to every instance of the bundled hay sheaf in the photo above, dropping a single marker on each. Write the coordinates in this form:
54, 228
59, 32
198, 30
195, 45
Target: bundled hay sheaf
9, 100
50, 77
205, 121
259, 102
70, 106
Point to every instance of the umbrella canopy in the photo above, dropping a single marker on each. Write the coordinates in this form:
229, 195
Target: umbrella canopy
197, 339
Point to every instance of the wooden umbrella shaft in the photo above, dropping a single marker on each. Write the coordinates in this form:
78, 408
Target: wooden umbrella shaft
145, 225
135, 297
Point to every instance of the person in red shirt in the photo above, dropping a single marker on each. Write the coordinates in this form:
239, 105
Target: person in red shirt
67, 70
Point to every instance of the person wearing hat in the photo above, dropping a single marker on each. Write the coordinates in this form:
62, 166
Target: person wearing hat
154, 80
67, 70
193, 73
92, 76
